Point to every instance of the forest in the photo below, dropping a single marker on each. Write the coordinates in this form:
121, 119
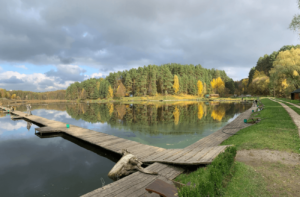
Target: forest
167, 79
276, 74
28, 95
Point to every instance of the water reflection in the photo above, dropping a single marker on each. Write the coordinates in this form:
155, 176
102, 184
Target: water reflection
52, 166
172, 125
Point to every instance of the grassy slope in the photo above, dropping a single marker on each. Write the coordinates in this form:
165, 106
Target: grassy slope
244, 181
276, 131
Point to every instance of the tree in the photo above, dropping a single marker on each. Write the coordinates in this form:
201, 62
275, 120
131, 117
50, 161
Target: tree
110, 92
13, 96
295, 23
83, 94
121, 90
200, 88
176, 84
218, 85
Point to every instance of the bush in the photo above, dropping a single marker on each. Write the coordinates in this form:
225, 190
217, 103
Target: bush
210, 179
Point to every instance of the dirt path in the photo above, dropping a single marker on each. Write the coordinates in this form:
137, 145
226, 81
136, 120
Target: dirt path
280, 170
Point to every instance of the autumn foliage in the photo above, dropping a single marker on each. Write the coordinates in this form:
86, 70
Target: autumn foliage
218, 85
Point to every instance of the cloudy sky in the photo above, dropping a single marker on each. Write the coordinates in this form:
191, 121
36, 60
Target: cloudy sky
46, 45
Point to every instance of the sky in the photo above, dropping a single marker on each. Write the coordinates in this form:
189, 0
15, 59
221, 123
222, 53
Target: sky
47, 45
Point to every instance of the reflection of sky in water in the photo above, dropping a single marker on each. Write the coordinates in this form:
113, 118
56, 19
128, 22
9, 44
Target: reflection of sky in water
31, 166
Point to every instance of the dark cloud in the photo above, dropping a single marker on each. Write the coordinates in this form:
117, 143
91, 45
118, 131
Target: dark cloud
118, 35
12, 80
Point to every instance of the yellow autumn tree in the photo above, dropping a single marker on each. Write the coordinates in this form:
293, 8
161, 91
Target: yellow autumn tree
218, 85
284, 76
13, 96
288, 58
176, 114
176, 84
110, 92
200, 88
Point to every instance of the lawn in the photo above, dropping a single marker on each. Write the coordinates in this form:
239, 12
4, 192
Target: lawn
275, 131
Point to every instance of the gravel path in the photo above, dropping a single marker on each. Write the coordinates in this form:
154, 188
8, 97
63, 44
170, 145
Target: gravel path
294, 115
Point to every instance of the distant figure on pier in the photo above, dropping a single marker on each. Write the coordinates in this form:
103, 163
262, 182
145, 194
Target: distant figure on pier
12, 108
28, 110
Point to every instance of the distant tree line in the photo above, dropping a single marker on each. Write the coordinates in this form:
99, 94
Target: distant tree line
28, 95
276, 74
167, 79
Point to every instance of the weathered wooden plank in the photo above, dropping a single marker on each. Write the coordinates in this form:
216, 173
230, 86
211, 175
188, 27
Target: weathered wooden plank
133, 149
169, 153
148, 153
181, 154
211, 154
159, 154
199, 155
188, 155
102, 139
124, 145
118, 140
123, 184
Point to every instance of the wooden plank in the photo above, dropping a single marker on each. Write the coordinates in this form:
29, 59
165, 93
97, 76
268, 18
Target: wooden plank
133, 149
210, 154
124, 183
118, 140
102, 139
169, 154
188, 155
181, 154
124, 145
153, 157
202, 153
151, 152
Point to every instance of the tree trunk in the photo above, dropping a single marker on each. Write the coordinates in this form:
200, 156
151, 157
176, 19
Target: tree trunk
127, 165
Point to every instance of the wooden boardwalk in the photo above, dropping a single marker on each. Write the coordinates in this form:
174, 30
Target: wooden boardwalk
201, 152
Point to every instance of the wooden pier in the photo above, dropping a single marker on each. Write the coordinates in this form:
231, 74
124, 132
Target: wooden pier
201, 152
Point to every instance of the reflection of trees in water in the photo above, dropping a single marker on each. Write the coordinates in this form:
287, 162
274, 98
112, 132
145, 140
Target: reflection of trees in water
50, 106
176, 115
218, 112
156, 119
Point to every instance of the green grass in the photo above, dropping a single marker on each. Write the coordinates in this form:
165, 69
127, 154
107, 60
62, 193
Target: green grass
275, 131
244, 181
289, 100
208, 180
296, 109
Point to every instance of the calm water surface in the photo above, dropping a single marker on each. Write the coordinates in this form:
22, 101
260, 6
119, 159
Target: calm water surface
64, 166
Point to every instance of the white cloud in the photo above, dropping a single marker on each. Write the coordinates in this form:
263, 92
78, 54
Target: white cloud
21, 66
31, 82
96, 75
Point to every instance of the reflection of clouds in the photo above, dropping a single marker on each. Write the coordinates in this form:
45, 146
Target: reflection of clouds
60, 114
10, 126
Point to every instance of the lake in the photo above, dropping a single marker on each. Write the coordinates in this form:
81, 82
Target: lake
60, 165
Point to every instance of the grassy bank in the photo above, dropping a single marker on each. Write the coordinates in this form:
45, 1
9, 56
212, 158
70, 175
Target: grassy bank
168, 98
275, 131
